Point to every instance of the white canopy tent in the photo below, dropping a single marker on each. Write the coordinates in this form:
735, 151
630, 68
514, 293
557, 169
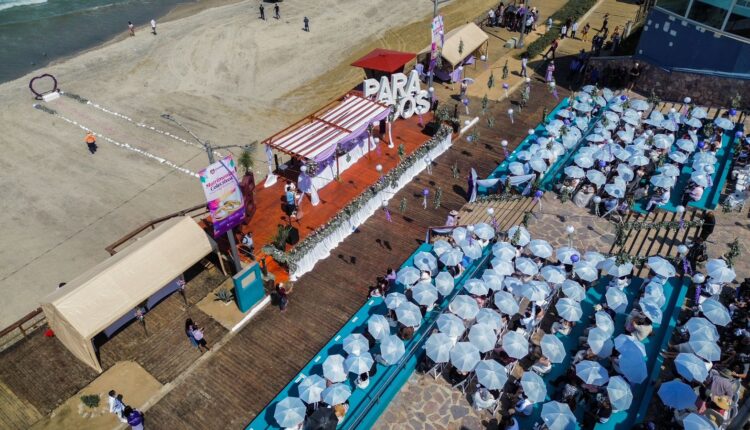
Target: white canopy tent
99, 297
472, 37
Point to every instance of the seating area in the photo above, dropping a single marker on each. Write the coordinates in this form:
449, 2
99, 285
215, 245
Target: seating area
669, 160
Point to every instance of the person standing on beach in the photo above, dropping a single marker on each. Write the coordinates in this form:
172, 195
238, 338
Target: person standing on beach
276, 11
131, 28
91, 142
153, 27
524, 63
307, 24
262, 12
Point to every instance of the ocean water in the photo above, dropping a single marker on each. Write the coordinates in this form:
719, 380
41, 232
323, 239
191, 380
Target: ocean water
35, 32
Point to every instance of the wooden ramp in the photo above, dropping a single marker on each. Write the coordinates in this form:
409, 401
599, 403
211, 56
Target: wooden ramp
16, 413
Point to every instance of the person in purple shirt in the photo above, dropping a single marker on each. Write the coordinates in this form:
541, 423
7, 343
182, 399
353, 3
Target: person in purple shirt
134, 417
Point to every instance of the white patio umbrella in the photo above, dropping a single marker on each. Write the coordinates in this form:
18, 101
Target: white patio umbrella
492, 280
484, 231
691, 367
582, 107
686, 145
704, 158
623, 341
464, 306
697, 422
600, 342
625, 172
464, 356
573, 290
592, 373
669, 124
590, 89
513, 284
638, 160
700, 178
563, 113
524, 155
519, 235
459, 234
661, 266
552, 274
409, 314
504, 251
483, 337
333, 368
594, 257
632, 362
564, 254
596, 177
394, 300
616, 299
378, 326
586, 270
540, 248
444, 283
661, 141
705, 348
289, 412
536, 291
452, 257
662, 181
604, 322
502, 267
583, 161
359, 364
553, 348
490, 317
391, 349
356, 344
425, 261
451, 325
669, 170
491, 374
440, 246
424, 294
724, 123
505, 302
515, 345
698, 326
408, 275
611, 267
526, 266
438, 347
698, 113
595, 138
534, 387
677, 157
476, 287
569, 309
558, 416
716, 312
336, 394
471, 248
620, 395
615, 191
639, 104
311, 388
719, 271
651, 310
693, 122
677, 394
574, 172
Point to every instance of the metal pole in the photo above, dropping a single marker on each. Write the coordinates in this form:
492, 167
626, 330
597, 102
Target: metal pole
434, 14
210, 153
523, 23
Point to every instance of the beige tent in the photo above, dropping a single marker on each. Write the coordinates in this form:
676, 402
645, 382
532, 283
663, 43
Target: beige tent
473, 38
102, 295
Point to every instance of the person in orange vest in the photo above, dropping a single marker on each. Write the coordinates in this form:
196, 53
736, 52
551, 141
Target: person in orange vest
91, 142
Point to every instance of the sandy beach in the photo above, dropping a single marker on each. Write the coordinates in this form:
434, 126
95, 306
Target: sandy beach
229, 76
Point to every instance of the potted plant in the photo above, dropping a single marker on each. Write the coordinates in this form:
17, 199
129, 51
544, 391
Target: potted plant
224, 295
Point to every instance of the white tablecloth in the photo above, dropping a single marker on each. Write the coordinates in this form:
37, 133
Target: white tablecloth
326, 245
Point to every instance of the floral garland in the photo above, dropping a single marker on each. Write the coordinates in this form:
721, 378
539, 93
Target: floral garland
390, 179
733, 253
504, 197
621, 228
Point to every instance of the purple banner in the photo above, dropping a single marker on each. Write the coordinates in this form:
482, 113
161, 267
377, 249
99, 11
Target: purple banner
223, 195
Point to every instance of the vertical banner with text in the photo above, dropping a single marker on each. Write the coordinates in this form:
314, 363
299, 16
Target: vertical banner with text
437, 40
223, 195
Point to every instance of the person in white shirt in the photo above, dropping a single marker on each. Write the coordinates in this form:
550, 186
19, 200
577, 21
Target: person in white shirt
483, 399
116, 406
153, 27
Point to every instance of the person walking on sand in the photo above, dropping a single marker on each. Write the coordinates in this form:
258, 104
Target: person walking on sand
585, 32
134, 418
153, 27
276, 11
91, 142
605, 24
550, 76
262, 12
198, 336
131, 28
574, 29
524, 63
552, 49
307, 24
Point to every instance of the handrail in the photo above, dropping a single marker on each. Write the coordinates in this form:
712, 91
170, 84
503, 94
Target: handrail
112, 247
19, 324
375, 397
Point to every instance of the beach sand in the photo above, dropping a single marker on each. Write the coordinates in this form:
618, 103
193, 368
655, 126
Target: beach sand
227, 75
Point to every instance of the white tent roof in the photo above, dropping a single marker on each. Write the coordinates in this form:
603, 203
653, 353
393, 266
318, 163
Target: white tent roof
100, 296
472, 36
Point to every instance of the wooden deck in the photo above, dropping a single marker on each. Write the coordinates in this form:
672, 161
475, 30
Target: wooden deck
41, 373
233, 386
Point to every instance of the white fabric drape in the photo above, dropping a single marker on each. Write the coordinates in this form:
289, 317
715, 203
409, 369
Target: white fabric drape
326, 245
325, 176
271, 178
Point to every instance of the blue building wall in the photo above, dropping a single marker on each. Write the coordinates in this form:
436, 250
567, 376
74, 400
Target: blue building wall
670, 41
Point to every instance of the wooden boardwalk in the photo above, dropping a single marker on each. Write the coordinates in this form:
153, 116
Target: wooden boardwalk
233, 386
